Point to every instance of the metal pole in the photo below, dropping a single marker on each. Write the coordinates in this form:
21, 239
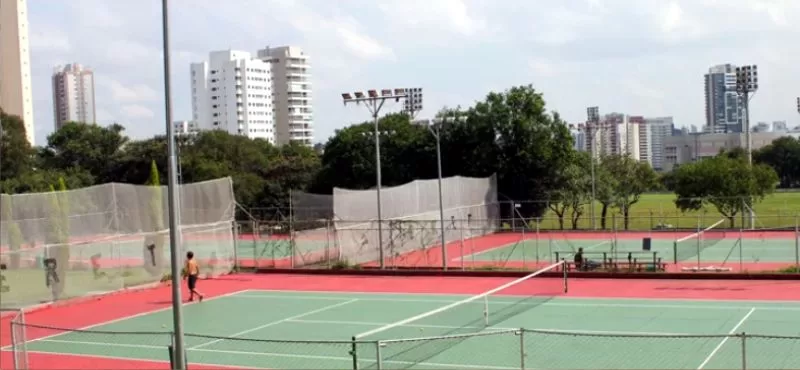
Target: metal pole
744, 350
748, 150
174, 215
375, 111
441, 201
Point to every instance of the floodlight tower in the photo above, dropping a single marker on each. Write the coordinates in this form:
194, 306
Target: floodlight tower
746, 86
592, 123
374, 102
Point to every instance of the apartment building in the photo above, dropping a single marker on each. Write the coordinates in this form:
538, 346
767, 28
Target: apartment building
16, 91
264, 96
652, 134
184, 127
292, 98
683, 149
232, 91
724, 111
73, 95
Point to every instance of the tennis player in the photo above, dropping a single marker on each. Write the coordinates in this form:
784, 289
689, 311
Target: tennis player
192, 272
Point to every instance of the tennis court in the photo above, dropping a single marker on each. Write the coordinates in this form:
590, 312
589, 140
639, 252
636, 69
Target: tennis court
287, 329
754, 251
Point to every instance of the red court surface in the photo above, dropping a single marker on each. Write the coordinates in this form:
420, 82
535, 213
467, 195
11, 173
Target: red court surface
96, 311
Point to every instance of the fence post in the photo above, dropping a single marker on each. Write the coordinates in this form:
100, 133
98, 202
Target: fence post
744, 350
14, 349
354, 353
522, 348
797, 244
378, 356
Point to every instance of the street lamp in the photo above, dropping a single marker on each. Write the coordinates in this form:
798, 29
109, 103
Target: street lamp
746, 85
412, 103
798, 105
592, 123
435, 129
374, 102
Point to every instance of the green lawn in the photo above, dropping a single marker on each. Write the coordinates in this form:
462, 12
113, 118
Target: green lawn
775, 211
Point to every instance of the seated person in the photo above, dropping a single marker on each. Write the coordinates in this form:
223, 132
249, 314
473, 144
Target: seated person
579, 262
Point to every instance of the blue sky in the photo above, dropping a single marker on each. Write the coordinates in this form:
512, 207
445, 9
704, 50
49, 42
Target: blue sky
643, 57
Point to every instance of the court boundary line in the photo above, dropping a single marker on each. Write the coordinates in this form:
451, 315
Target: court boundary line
248, 353
748, 305
725, 340
276, 322
138, 359
119, 319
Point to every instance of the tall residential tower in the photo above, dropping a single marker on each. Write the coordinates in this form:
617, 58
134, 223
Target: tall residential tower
73, 95
16, 95
723, 108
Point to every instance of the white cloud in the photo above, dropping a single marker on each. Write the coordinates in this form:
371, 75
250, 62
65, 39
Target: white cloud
131, 93
136, 111
363, 46
50, 41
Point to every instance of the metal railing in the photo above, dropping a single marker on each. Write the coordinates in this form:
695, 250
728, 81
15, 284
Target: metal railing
495, 349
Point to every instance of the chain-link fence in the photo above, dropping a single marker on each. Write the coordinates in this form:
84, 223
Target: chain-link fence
506, 349
496, 244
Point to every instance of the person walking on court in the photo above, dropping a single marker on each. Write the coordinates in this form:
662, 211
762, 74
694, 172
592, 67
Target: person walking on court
192, 272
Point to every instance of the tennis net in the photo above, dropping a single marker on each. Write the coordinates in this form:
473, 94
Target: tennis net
692, 245
430, 333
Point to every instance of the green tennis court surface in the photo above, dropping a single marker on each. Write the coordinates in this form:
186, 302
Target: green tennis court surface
287, 329
749, 250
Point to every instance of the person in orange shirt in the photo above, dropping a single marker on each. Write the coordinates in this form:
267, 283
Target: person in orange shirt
192, 271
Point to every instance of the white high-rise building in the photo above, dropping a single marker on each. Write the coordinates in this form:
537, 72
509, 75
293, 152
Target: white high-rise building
73, 95
654, 131
291, 89
232, 91
16, 95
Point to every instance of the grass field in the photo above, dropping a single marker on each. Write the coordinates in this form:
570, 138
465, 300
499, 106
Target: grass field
778, 210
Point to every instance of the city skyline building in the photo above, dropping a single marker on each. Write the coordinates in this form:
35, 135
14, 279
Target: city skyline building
73, 95
16, 90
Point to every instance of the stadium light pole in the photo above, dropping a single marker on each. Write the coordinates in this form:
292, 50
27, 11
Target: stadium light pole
746, 86
435, 129
174, 216
593, 115
374, 101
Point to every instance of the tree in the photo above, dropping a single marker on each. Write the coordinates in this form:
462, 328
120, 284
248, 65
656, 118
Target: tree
783, 155
15, 151
511, 134
605, 185
728, 183
349, 157
633, 178
574, 191
90, 147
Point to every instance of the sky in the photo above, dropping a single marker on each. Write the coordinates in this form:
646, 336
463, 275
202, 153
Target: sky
640, 57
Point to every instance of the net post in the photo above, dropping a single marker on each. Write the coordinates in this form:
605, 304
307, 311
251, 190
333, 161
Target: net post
378, 356
565, 275
461, 237
743, 337
353, 353
522, 348
235, 228
675, 252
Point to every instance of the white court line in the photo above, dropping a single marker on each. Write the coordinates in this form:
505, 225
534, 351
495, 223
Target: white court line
273, 323
120, 319
748, 302
131, 358
266, 354
725, 340
502, 302
491, 328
